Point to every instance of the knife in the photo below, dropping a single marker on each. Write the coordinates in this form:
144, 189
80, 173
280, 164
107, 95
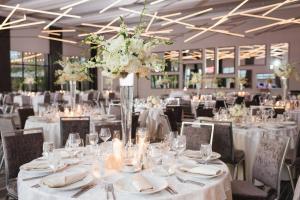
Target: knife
83, 190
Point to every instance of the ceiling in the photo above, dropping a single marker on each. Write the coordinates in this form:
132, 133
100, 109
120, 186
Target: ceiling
89, 13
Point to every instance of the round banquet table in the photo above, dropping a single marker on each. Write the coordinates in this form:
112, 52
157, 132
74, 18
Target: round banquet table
51, 129
247, 138
218, 188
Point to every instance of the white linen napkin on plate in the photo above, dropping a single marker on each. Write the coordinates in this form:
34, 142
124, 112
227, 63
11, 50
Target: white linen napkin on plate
35, 165
140, 183
64, 179
206, 170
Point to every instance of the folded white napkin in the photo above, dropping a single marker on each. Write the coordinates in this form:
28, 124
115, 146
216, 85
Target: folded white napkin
36, 165
201, 169
140, 183
192, 154
64, 179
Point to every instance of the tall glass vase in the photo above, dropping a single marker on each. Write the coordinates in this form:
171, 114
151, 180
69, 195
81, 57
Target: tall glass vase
284, 88
73, 94
198, 86
126, 97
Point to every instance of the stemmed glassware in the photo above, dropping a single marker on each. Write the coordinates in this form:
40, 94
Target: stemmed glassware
206, 152
74, 140
179, 144
105, 134
93, 139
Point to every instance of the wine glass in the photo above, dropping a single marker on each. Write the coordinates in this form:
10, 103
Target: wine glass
105, 134
93, 139
48, 148
54, 160
73, 140
206, 151
179, 144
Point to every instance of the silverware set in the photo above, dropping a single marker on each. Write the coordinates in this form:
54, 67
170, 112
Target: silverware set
190, 181
83, 190
171, 190
109, 188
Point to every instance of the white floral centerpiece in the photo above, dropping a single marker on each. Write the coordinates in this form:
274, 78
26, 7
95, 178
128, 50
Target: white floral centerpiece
153, 101
123, 56
285, 72
237, 112
242, 81
72, 71
29, 81
196, 80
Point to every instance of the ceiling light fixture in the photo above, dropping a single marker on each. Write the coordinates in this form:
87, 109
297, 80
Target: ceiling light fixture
23, 25
276, 7
151, 21
57, 18
56, 34
217, 31
270, 18
220, 21
156, 2
188, 16
161, 32
157, 17
59, 31
40, 11
57, 39
253, 10
103, 27
109, 6
287, 21
110, 23
74, 4
9, 15
15, 21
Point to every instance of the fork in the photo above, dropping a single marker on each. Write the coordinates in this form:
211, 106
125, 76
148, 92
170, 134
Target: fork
190, 181
112, 190
106, 190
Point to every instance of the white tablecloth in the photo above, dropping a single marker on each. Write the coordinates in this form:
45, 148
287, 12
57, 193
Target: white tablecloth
247, 139
215, 189
295, 115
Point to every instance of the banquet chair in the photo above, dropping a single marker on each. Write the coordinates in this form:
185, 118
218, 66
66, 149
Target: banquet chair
6, 125
197, 133
178, 113
268, 163
172, 119
223, 144
23, 114
111, 126
220, 104
297, 191
115, 109
69, 125
18, 150
204, 112
239, 100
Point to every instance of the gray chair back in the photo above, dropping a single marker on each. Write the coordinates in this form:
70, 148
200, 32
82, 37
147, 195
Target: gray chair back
20, 149
111, 126
269, 160
297, 191
197, 134
24, 113
223, 140
6, 126
69, 125
115, 109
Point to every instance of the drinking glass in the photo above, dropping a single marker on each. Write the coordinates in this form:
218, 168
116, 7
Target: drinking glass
54, 160
105, 134
142, 135
73, 140
206, 151
93, 139
179, 144
168, 139
169, 163
117, 134
48, 148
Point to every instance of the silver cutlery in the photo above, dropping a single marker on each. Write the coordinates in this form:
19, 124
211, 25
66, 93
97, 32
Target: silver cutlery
190, 181
83, 190
106, 189
33, 178
171, 190
36, 186
111, 190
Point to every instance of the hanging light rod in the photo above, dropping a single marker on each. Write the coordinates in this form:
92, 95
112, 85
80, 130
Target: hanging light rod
188, 16
156, 2
110, 6
9, 15
57, 39
57, 18
172, 15
220, 21
157, 17
276, 7
40, 11
23, 25
74, 4
217, 31
15, 21
59, 31
287, 21
269, 18
151, 21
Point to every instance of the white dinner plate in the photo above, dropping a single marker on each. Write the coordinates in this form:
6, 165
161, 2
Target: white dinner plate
125, 184
197, 155
131, 169
79, 184
194, 175
161, 171
43, 171
288, 123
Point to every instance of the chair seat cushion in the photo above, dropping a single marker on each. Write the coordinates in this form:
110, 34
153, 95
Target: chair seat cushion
12, 189
246, 191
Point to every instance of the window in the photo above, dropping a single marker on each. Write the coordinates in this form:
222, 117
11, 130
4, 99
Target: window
279, 55
226, 60
267, 81
28, 70
253, 55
